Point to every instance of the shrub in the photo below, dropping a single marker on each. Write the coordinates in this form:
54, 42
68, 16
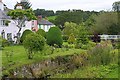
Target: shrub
0, 42
71, 39
54, 36
101, 54
65, 38
41, 32
25, 33
33, 43
5, 43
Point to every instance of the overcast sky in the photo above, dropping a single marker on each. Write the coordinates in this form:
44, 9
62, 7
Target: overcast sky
90, 5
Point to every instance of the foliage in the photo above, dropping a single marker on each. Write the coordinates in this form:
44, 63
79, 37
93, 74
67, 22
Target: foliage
71, 39
24, 4
101, 54
41, 32
7, 22
33, 43
82, 36
5, 43
20, 16
65, 38
44, 13
116, 6
54, 36
70, 27
25, 33
0, 42
104, 23
92, 72
75, 16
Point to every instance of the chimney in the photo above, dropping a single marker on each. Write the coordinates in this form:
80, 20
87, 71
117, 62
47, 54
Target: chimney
39, 18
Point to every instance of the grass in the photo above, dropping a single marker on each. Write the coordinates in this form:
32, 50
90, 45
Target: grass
92, 72
51, 17
20, 58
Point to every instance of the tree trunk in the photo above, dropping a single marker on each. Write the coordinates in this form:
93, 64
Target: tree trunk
18, 36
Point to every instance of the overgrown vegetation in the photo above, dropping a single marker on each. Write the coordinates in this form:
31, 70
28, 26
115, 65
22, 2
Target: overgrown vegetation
33, 43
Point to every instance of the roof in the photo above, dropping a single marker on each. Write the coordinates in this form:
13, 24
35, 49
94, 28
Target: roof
44, 22
3, 15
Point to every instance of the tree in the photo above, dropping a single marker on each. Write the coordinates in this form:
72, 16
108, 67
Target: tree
54, 36
116, 6
20, 17
26, 4
103, 22
41, 32
25, 33
33, 43
70, 27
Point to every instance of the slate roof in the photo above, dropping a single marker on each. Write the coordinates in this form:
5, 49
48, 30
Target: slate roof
3, 15
44, 22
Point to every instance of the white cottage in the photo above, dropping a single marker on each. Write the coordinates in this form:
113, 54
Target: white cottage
44, 24
10, 31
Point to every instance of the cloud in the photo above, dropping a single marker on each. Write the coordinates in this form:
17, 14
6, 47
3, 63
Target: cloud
67, 4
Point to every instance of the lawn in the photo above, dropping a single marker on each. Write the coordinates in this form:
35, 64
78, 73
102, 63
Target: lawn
20, 58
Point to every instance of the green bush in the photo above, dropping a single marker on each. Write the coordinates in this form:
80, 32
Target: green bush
65, 38
71, 39
41, 32
25, 33
54, 36
0, 42
33, 43
101, 54
5, 43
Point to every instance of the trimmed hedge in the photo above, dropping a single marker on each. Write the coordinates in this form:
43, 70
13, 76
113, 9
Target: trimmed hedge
54, 36
41, 32
25, 33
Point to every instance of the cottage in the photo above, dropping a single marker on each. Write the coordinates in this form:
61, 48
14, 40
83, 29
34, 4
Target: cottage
10, 31
44, 24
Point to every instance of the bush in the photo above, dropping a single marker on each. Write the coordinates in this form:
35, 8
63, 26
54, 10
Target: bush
54, 36
65, 38
41, 32
25, 33
0, 42
33, 43
5, 43
101, 54
71, 39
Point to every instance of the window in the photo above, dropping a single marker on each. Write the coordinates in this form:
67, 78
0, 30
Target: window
2, 22
39, 26
9, 36
32, 23
3, 34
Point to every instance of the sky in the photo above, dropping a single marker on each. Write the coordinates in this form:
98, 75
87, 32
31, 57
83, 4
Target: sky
96, 5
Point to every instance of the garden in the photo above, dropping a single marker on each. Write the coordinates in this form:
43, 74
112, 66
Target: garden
40, 55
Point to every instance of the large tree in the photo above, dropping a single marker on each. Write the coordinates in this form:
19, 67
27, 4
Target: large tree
105, 22
116, 6
20, 17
